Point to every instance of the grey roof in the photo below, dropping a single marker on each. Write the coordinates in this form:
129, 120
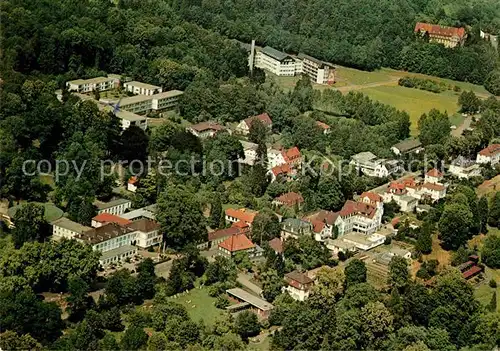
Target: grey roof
103, 205
364, 156
313, 59
141, 85
407, 145
129, 116
276, 54
141, 212
67, 223
91, 80
251, 299
463, 162
118, 251
248, 145
167, 94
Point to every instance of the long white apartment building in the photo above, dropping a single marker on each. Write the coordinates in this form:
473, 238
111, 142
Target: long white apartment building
66, 228
88, 85
373, 166
276, 62
145, 103
140, 88
319, 71
116, 207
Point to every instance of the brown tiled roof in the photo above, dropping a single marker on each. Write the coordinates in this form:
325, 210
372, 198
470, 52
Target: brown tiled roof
491, 150
323, 216
322, 125
111, 218
241, 214
432, 186
434, 173
103, 233
145, 225
202, 126
299, 277
471, 272
351, 208
290, 199
291, 154
222, 233
236, 243
372, 196
281, 169
133, 180
440, 30
263, 117
276, 244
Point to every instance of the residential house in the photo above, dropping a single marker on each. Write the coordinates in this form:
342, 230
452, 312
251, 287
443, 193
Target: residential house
167, 100
89, 85
295, 228
276, 62
323, 224
490, 154
205, 130
434, 190
434, 176
339, 245
406, 147
147, 232
290, 199
284, 172
275, 158
139, 88
401, 192
244, 126
370, 198
240, 215
66, 228
293, 157
239, 243
105, 218
276, 245
217, 236
372, 166
132, 184
359, 217
450, 37
298, 285
324, 127
464, 168
250, 151
261, 307
113, 241
116, 207
319, 71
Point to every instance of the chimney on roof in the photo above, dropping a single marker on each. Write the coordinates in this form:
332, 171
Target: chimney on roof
252, 56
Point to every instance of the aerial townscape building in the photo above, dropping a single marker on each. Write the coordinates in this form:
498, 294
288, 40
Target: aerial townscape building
244, 126
205, 130
490, 154
373, 166
448, 36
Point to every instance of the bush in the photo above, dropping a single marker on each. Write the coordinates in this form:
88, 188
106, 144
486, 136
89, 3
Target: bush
493, 283
222, 302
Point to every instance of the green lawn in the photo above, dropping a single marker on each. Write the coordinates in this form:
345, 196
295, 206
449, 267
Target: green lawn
414, 101
483, 292
200, 305
351, 76
52, 212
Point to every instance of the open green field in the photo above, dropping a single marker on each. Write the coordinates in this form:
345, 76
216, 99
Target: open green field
483, 292
414, 101
52, 212
200, 305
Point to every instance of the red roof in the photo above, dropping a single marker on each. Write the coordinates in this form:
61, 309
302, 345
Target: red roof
290, 199
395, 221
111, 218
322, 125
472, 272
436, 29
241, 214
133, 180
323, 216
318, 226
203, 126
222, 233
432, 186
351, 208
281, 169
434, 173
276, 244
491, 150
263, 117
292, 154
241, 225
372, 196
236, 243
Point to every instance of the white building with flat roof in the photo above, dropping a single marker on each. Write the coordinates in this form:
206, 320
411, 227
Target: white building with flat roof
140, 88
116, 207
276, 62
66, 228
88, 85
319, 71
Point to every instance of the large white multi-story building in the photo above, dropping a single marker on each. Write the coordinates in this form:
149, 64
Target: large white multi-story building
146, 103
66, 228
115, 207
373, 166
276, 62
319, 71
491, 155
88, 85
140, 88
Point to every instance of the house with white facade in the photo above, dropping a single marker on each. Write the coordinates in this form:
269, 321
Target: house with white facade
132, 183
298, 285
373, 166
139, 88
116, 207
250, 151
116, 243
129, 119
142, 104
147, 232
319, 71
407, 147
464, 168
66, 228
490, 154
105, 218
243, 215
205, 130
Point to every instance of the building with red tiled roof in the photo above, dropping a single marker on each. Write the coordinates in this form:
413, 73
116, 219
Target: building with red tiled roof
104, 218
244, 215
370, 198
490, 154
285, 171
448, 36
132, 184
292, 156
220, 235
289, 199
323, 126
277, 245
299, 285
205, 129
244, 126
237, 243
433, 176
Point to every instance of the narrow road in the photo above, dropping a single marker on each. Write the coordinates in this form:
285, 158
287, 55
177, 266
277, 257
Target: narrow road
245, 281
460, 128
